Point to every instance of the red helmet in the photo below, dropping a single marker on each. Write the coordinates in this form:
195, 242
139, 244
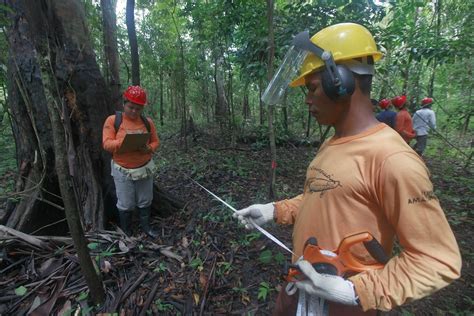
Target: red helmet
135, 94
426, 101
399, 101
384, 103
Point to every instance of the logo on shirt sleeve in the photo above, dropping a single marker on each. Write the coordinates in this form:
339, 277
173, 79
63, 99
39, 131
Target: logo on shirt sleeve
425, 197
320, 182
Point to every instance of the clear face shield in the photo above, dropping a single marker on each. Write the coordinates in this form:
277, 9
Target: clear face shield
288, 70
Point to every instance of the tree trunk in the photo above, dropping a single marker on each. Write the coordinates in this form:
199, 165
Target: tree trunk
57, 29
406, 72
435, 62
40, 29
222, 104
109, 24
284, 111
260, 103
132, 38
245, 102
161, 97
57, 110
181, 76
271, 131
233, 136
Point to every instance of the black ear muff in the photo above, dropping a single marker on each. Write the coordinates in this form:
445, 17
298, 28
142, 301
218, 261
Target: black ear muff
337, 80
338, 85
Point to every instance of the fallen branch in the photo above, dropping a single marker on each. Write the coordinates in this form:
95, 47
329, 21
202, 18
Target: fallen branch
25, 237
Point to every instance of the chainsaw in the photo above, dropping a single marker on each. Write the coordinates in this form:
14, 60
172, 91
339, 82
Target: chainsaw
340, 262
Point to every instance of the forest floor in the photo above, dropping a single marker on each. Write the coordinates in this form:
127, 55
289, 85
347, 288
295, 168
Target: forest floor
213, 266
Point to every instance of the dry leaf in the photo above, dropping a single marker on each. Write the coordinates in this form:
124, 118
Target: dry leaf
177, 296
123, 247
196, 298
65, 309
185, 242
106, 266
245, 299
203, 279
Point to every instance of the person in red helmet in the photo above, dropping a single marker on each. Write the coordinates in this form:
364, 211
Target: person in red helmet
423, 120
364, 178
387, 116
403, 122
132, 170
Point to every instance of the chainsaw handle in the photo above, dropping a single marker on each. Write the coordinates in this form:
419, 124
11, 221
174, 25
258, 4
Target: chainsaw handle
376, 250
373, 247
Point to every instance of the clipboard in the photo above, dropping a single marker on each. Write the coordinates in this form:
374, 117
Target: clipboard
133, 142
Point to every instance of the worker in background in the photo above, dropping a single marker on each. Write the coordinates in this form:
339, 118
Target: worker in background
132, 171
403, 122
364, 178
423, 120
387, 116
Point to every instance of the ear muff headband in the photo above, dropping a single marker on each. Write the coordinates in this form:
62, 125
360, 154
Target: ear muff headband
337, 80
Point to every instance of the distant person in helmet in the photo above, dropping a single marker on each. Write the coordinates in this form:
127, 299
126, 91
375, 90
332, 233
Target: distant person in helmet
132, 170
363, 179
423, 120
403, 122
387, 116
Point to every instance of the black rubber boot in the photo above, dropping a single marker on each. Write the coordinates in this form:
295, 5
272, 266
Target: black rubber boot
145, 222
126, 221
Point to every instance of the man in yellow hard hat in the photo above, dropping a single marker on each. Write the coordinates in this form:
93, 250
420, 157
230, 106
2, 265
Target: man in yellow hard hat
363, 179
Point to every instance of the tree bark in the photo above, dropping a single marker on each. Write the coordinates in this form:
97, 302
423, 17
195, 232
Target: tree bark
435, 62
222, 104
245, 102
57, 29
271, 130
66, 184
132, 38
109, 24
161, 97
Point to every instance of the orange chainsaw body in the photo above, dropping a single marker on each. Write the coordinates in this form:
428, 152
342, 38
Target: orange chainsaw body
343, 263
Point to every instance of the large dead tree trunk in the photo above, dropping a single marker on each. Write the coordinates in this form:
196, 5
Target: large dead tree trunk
56, 29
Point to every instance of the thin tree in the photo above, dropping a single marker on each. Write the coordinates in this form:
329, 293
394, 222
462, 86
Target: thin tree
109, 25
435, 60
132, 38
271, 131
56, 110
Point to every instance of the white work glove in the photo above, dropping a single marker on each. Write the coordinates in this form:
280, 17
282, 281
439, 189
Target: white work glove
330, 287
259, 213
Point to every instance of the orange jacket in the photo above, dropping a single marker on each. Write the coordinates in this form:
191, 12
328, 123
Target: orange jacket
404, 125
111, 141
375, 182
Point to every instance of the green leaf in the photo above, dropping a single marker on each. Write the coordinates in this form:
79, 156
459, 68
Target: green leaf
263, 291
82, 296
20, 291
279, 258
196, 262
93, 245
266, 256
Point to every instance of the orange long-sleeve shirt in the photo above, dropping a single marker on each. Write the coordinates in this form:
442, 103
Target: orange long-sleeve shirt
112, 140
375, 182
404, 125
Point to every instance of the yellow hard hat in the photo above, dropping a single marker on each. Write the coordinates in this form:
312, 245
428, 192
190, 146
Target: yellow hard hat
345, 41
